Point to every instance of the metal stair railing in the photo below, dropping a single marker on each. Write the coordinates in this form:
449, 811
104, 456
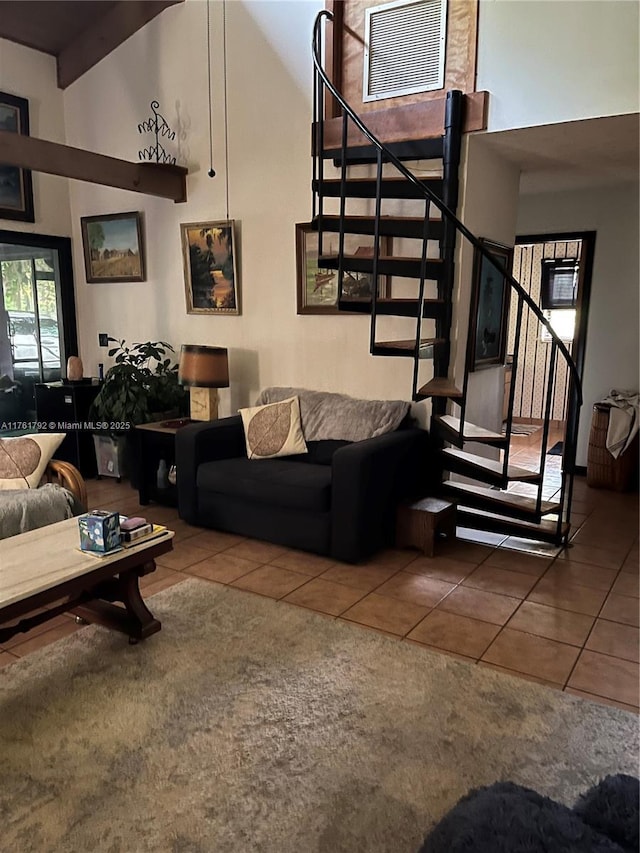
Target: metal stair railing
385, 155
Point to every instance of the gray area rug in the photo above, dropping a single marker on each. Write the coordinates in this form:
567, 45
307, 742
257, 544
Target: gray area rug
250, 725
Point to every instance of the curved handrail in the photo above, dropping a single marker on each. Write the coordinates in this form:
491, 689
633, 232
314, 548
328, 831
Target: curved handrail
442, 207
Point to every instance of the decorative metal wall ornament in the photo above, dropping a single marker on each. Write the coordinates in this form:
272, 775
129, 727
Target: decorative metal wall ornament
156, 124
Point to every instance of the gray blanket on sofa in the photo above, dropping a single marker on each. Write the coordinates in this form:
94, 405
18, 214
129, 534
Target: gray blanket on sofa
27, 509
337, 416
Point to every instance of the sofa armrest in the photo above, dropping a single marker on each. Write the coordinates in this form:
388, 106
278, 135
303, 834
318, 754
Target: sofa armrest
203, 442
368, 480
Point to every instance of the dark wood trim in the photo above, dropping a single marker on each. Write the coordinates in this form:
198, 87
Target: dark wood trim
423, 120
157, 179
104, 35
62, 245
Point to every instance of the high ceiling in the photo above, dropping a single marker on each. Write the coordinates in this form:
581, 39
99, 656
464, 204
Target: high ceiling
78, 34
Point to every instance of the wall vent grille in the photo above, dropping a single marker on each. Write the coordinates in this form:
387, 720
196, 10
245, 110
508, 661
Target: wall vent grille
404, 48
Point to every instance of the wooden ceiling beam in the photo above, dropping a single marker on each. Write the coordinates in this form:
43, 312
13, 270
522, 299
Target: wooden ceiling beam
157, 179
104, 35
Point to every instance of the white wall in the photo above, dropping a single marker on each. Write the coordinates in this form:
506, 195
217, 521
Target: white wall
612, 355
32, 75
270, 88
488, 207
560, 60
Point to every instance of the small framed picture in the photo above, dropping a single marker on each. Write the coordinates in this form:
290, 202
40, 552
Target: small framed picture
318, 288
210, 276
488, 329
113, 247
16, 186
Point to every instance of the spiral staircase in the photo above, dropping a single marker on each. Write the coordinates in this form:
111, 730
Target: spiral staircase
491, 493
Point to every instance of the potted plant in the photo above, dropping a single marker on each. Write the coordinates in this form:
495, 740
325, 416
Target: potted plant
141, 386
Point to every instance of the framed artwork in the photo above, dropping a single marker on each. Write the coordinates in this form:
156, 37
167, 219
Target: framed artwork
16, 186
490, 308
318, 288
210, 276
113, 247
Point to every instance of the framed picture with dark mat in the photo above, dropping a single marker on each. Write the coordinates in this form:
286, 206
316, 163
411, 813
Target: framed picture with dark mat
490, 308
16, 187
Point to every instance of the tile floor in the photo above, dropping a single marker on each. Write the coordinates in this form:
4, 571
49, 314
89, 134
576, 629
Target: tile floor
568, 619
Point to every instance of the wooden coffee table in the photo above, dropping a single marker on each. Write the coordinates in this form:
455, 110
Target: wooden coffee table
45, 571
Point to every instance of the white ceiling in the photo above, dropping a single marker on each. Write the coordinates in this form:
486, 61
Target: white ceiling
572, 155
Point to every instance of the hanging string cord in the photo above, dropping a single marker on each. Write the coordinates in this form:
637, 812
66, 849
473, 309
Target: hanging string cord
226, 116
211, 172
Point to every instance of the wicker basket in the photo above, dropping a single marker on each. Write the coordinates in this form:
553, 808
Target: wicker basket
603, 471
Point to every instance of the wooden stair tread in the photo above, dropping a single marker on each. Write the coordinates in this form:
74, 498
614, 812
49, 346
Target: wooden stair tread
410, 344
544, 529
504, 499
514, 472
389, 300
335, 217
440, 386
471, 431
406, 258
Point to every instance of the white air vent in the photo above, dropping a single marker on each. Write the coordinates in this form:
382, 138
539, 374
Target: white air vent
404, 48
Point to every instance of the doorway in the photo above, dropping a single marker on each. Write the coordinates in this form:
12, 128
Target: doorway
555, 270
37, 320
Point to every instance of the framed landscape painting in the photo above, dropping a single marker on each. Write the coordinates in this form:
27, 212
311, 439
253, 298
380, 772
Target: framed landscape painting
113, 247
488, 330
318, 288
210, 275
16, 187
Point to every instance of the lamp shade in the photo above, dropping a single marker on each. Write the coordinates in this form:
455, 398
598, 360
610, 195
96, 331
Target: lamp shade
203, 367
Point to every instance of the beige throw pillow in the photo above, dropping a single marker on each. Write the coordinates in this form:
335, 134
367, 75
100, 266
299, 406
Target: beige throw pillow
24, 458
273, 430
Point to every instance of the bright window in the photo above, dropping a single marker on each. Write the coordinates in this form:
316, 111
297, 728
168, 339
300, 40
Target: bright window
563, 323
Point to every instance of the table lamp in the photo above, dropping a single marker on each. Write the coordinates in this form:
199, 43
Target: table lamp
203, 370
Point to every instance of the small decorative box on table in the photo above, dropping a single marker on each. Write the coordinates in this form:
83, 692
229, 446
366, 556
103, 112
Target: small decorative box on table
419, 523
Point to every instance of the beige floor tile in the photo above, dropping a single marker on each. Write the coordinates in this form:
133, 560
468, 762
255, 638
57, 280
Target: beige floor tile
68, 627
271, 581
366, 578
392, 558
537, 656
567, 596
613, 638
62, 619
183, 531
163, 583
183, 555
600, 700
386, 614
530, 546
325, 596
438, 651
552, 623
416, 589
627, 584
254, 549
160, 573
592, 555
460, 549
6, 658
307, 564
215, 540
594, 577
606, 676
621, 608
516, 561
632, 562
223, 568
613, 536
454, 633
484, 537
502, 581
443, 568
478, 604
523, 675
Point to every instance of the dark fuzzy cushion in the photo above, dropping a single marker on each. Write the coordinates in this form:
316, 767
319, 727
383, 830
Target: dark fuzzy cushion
507, 818
612, 809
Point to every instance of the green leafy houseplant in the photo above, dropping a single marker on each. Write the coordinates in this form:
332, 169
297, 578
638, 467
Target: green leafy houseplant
140, 386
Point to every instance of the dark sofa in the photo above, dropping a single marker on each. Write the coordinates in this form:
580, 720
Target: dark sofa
338, 500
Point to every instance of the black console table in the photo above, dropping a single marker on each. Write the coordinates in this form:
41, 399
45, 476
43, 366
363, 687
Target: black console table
62, 403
